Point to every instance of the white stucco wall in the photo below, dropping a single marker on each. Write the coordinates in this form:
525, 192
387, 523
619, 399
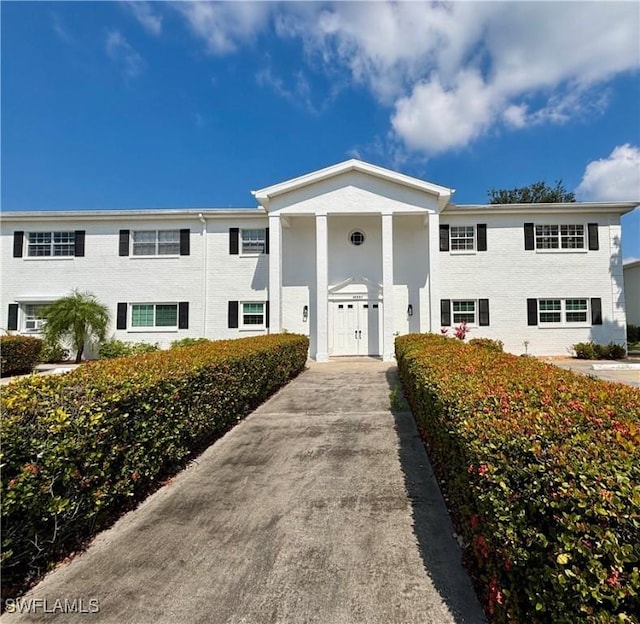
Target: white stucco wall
632, 292
507, 275
137, 279
210, 276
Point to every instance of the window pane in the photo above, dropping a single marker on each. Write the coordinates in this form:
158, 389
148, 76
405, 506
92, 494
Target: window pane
253, 313
34, 316
144, 243
464, 311
253, 241
168, 242
576, 310
462, 238
572, 236
144, 236
64, 243
166, 315
547, 237
550, 310
39, 244
142, 316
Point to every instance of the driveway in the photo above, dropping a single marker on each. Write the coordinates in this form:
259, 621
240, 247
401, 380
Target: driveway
320, 507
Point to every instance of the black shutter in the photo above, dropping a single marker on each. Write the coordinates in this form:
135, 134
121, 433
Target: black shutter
79, 243
18, 241
234, 235
483, 312
185, 238
444, 238
121, 319
593, 237
12, 321
233, 314
445, 312
482, 236
266, 314
596, 311
532, 311
124, 243
529, 239
266, 241
183, 315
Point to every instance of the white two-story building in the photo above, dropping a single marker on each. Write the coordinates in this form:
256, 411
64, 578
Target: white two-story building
351, 255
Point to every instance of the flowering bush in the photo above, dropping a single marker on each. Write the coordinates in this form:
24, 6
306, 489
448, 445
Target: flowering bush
81, 447
541, 469
19, 354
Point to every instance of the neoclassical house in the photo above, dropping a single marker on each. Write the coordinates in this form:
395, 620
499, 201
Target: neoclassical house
351, 255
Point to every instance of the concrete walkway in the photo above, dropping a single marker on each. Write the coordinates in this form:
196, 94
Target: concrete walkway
320, 507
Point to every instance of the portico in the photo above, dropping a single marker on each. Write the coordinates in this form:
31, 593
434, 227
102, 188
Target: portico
372, 238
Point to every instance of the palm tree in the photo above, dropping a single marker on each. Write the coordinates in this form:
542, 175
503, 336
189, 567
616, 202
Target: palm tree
78, 317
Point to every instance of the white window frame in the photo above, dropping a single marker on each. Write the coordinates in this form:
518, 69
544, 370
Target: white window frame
158, 252
564, 312
37, 321
563, 239
69, 243
466, 238
253, 242
154, 327
457, 321
241, 314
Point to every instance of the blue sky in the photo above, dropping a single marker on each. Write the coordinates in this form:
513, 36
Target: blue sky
180, 104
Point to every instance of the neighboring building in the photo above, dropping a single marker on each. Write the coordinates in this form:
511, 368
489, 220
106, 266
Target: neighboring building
632, 291
351, 255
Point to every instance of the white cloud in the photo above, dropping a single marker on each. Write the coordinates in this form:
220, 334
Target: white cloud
121, 51
450, 72
615, 178
150, 20
225, 25
434, 118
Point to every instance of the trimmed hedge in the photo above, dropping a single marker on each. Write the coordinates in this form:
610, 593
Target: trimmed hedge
594, 351
541, 470
19, 354
80, 448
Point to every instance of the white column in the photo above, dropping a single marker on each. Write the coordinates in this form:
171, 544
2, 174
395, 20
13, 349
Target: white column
433, 239
322, 289
275, 274
388, 310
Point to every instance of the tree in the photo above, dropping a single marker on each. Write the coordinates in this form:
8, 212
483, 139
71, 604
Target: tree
79, 318
536, 193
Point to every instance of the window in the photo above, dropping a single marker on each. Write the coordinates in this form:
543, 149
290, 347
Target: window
464, 311
253, 241
356, 238
559, 236
58, 244
562, 311
252, 315
154, 315
34, 316
462, 238
156, 243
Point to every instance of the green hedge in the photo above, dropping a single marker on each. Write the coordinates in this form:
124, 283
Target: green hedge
541, 469
80, 448
19, 354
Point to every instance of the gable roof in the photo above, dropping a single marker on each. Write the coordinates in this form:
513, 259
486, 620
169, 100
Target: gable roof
265, 195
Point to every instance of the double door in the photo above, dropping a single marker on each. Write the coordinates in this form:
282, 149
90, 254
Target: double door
356, 327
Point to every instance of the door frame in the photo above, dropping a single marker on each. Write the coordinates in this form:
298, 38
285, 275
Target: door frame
359, 300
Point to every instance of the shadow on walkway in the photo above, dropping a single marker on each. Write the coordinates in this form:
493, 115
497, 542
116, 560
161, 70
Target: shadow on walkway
440, 552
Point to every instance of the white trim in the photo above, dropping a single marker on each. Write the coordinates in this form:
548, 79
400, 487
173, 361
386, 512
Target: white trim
242, 326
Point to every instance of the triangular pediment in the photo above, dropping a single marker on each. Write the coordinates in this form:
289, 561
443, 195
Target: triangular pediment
356, 286
439, 195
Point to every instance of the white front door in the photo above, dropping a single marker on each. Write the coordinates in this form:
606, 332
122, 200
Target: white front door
356, 327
